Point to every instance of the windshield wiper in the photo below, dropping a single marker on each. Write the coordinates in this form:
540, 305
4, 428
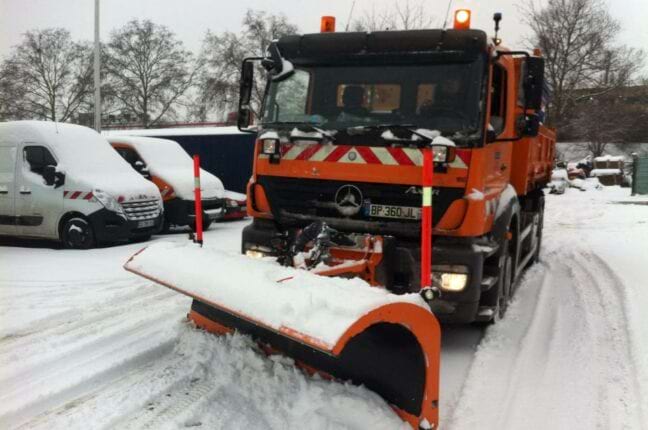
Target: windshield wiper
407, 127
305, 127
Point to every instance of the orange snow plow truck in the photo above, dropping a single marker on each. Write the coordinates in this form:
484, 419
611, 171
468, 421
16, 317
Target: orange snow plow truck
351, 125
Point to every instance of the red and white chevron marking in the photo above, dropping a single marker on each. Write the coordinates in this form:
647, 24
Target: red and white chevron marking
363, 155
77, 195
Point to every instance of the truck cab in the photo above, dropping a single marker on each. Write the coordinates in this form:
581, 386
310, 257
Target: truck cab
341, 132
64, 182
169, 167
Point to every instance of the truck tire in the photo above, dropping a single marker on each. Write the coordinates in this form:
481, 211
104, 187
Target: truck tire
499, 296
76, 233
536, 252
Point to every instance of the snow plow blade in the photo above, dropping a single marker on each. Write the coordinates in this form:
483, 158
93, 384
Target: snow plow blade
340, 328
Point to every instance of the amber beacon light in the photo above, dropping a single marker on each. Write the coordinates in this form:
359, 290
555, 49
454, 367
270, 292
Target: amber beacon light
462, 19
327, 24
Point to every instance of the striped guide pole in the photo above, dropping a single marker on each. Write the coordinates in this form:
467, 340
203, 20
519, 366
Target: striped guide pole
426, 220
198, 199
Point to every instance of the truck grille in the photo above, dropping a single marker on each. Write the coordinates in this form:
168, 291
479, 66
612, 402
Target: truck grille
141, 210
316, 198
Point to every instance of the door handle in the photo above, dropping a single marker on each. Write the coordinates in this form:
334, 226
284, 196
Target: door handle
4, 191
25, 191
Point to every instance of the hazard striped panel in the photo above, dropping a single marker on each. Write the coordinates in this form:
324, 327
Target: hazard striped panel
78, 195
363, 155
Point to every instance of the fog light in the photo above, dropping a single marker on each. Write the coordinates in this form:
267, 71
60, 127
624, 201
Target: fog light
453, 281
254, 254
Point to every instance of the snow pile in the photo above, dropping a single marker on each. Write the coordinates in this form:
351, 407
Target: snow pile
167, 160
605, 172
279, 297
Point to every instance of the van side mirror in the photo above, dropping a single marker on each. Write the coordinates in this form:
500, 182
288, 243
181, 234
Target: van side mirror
53, 177
49, 174
534, 82
245, 94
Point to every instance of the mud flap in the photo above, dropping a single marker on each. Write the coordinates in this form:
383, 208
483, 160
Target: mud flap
392, 347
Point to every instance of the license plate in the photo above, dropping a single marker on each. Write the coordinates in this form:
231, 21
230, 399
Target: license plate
388, 211
147, 223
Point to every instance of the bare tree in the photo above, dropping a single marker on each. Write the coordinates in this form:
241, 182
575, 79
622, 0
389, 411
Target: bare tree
577, 38
222, 56
148, 70
401, 15
47, 76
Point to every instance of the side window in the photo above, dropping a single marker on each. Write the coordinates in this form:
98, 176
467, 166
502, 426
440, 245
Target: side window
133, 158
7, 164
38, 157
498, 99
292, 96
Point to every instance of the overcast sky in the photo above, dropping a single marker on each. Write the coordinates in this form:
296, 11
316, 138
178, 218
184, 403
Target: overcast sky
190, 19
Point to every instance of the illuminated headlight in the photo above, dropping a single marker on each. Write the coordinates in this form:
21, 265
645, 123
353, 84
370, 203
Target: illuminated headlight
452, 278
270, 146
453, 281
254, 253
108, 201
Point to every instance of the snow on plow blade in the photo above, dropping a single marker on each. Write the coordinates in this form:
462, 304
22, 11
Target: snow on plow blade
338, 327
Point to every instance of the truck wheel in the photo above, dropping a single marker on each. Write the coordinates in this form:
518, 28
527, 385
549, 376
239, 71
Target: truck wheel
536, 253
503, 288
77, 233
498, 297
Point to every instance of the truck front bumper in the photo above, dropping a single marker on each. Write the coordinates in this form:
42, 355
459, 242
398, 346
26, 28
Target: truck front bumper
452, 307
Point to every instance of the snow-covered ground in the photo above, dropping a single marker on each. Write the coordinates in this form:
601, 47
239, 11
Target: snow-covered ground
85, 344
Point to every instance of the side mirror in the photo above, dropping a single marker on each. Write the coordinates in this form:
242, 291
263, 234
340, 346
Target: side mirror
245, 94
534, 82
531, 125
49, 174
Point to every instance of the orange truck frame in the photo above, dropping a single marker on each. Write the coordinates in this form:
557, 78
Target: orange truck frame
362, 173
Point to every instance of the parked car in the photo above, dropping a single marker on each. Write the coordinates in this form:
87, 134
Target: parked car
170, 168
235, 205
63, 181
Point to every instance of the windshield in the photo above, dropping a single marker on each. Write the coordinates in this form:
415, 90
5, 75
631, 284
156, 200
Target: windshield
444, 97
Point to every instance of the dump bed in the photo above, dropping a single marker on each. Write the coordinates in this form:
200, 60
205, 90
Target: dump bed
532, 161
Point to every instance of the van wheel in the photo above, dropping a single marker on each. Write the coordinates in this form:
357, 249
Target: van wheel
206, 223
77, 233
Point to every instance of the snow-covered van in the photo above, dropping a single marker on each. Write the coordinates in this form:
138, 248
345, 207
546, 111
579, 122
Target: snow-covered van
168, 166
64, 181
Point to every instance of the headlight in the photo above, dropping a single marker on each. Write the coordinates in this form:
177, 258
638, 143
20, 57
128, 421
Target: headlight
231, 203
453, 281
254, 254
270, 146
453, 278
108, 201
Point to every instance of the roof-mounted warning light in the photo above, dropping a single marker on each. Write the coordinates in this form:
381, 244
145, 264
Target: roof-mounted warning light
327, 24
462, 19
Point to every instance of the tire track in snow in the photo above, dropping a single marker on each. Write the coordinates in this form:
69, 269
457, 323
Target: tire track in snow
64, 375
560, 359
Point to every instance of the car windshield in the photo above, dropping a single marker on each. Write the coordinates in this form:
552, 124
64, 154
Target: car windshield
444, 97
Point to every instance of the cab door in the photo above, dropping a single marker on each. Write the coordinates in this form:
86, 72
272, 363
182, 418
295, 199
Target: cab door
7, 188
38, 205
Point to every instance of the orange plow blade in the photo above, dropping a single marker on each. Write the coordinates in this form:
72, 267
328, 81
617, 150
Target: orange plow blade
339, 327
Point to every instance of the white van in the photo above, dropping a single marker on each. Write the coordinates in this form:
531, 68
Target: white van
168, 166
63, 181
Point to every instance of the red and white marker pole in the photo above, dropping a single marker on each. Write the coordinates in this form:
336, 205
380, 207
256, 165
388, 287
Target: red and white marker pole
426, 220
198, 198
